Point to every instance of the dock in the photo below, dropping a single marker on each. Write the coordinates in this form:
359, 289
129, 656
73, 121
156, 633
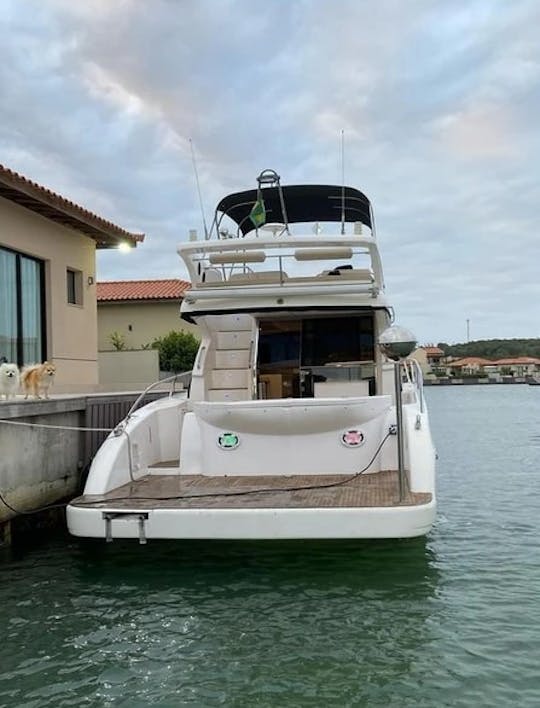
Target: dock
48, 445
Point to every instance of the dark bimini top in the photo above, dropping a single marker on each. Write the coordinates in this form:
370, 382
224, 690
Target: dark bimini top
303, 203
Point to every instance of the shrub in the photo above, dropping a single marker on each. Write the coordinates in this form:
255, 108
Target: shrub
177, 351
118, 341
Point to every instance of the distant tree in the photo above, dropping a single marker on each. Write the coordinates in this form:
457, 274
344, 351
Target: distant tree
494, 348
177, 351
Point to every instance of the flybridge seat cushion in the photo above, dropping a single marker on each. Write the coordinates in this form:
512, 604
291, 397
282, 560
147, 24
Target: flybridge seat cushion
363, 274
322, 254
211, 275
266, 276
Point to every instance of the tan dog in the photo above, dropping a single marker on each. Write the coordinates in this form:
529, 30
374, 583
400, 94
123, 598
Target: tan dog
37, 379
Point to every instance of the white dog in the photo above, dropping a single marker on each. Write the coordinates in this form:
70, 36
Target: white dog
9, 380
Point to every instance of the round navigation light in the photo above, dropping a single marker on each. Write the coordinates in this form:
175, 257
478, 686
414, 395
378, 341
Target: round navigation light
397, 342
353, 438
228, 441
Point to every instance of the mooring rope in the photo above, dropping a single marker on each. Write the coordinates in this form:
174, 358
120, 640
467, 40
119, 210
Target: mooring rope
55, 427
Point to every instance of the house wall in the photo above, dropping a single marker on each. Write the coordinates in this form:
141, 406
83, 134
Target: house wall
148, 321
420, 356
71, 329
128, 370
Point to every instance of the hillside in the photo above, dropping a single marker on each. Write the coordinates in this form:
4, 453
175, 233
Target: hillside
493, 348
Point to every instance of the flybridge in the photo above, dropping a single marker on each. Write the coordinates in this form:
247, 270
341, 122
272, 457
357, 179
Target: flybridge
345, 264
262, 259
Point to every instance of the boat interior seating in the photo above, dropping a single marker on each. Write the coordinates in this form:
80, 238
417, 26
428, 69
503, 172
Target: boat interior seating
348, 273
211, 275
340, 389
271, 277
263, 277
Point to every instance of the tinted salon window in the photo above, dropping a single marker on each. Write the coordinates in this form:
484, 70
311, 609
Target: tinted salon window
337, 339
279, 344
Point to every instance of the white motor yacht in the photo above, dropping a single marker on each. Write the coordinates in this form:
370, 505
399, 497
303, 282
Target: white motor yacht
304, 418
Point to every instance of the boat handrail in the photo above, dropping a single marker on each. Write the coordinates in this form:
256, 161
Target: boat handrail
169, 379
415, 376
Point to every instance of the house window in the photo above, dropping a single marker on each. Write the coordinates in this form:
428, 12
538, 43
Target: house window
22, 308
74, 286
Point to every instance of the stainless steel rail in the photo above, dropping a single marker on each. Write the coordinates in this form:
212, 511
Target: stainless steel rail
119, 429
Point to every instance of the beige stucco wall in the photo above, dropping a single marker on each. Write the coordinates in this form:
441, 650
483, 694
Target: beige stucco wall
129, 370
71, 329
148, 321
420, 356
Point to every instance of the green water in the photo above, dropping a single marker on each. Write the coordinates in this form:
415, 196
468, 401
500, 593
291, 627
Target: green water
450, 620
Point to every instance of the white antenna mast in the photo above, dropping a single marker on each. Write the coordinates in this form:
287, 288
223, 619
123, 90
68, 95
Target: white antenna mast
342, 182
198, 189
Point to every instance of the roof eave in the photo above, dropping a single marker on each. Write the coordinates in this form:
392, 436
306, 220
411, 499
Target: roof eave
41, 201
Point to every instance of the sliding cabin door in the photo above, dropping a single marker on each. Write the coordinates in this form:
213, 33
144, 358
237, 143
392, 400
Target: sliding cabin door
316, 357
278, 359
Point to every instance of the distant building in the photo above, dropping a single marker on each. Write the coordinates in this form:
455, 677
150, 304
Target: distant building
139, 311
47, 279
469, 365
433, 361
429, 357
516, 366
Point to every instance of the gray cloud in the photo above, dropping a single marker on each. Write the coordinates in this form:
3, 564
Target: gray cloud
439, 103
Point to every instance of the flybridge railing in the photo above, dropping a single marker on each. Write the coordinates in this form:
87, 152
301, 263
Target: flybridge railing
335, 261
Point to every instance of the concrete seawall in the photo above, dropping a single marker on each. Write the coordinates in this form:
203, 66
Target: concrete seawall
39, 465
474, 380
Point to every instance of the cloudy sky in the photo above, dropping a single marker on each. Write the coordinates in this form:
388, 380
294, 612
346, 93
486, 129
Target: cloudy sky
439, 101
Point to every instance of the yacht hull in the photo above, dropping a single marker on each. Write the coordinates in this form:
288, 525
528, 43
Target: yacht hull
255, 524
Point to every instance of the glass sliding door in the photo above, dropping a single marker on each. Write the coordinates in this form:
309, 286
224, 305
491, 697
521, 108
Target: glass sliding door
279, 358
31, 306
8, 305
22, 322
304, 357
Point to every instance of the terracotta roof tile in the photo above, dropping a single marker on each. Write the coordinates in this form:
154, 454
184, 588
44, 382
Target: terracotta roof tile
41, 200
119, 290
471, 361
517, 361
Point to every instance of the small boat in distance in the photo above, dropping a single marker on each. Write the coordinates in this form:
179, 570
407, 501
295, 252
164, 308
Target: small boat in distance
304, 418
